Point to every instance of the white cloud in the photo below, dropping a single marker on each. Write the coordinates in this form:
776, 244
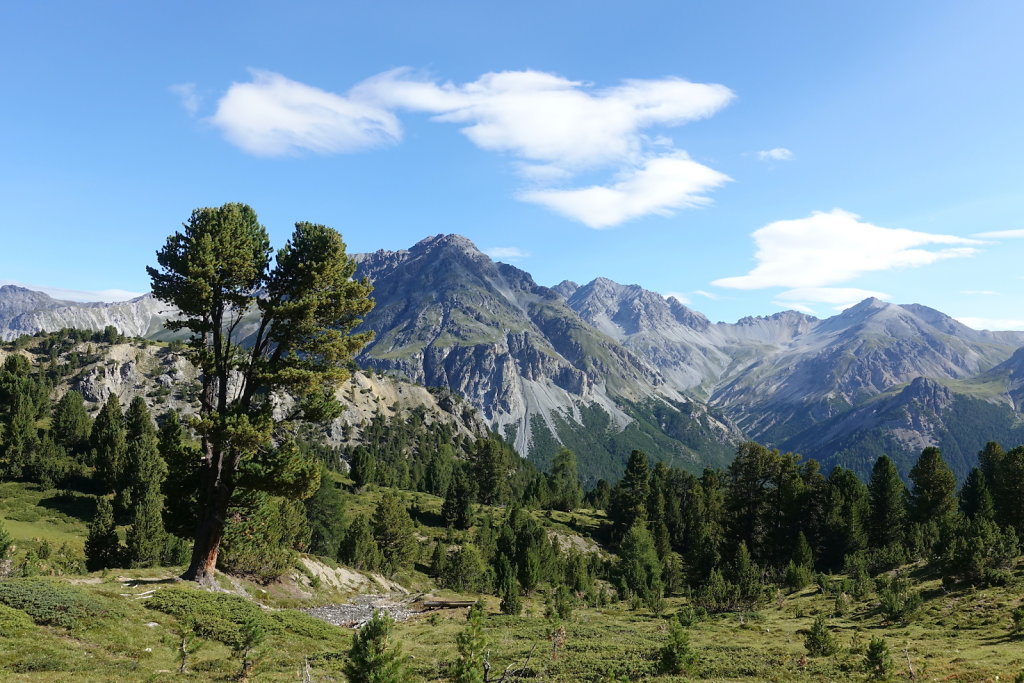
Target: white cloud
708, 295
545, 118
678, 296
776, 154
840, 297
979, 292
992, 323
795, 306
274, 116
506, 253
190, 99
834, 247
107, 295
551, 127
1001, 234
660, 186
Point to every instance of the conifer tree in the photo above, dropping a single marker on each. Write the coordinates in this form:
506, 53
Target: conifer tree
359, 549
975, 498
565, 483
108, 441
472, 645
102, 547
303, 306
932, 497
629, 500
372, 658
141, 490
71, 422
182, 480
887, 495
639, 570
394, 532
457, 509
324, 509
492, 470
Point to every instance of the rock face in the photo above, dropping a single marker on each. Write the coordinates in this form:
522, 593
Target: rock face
23, 311
447, 315
167, 381
580, 364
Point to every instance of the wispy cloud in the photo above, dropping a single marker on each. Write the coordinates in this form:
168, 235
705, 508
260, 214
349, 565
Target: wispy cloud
506, 253
1001, 234
839, 297
829, 248
708, 295
659, 186
678, 296
776, 154
78, 295
553, 128
188, 96
545, 118
795, 306
274, 116
992, 323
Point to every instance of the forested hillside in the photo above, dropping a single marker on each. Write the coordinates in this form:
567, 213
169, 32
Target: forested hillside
809, 574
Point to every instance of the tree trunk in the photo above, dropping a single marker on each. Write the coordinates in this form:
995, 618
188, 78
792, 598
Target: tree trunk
209, 534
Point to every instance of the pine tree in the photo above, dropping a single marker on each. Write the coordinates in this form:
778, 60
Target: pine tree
819, 640
639, 570
372, 658
359, 549
472, 645
676, 657
457, 509
932, 498
182, 481
394, 532
975, 498
439, 470
629, 500
878, 660
71, 422
565, 484
492, 470
887, 495
143, 474
102, 547
108, 441
326, 517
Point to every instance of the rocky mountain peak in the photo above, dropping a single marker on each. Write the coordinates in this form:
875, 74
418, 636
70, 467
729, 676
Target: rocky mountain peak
447, 241
565, 288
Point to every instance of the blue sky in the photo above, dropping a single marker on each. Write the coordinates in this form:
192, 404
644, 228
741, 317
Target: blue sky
744, 156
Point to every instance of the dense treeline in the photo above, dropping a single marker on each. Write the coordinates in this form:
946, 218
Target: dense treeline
769, 519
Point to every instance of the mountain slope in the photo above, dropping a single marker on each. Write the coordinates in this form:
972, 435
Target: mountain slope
447, 315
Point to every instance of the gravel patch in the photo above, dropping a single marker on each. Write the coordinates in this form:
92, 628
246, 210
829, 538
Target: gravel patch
356, 613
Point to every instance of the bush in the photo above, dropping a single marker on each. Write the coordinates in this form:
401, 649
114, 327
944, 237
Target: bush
898, 601
304, 625
53, 603
1017, 627
677, 656
688, 615
819, 641
879, 661
13, 622
215, 616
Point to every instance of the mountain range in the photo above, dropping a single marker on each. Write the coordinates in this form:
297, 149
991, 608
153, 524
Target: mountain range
604, 367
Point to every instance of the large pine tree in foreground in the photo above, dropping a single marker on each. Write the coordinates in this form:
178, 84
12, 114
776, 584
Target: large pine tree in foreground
298, 312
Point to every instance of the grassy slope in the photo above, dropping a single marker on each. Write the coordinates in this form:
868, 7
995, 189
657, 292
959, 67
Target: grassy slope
960, 635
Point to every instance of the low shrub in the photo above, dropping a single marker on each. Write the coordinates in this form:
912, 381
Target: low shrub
53, 603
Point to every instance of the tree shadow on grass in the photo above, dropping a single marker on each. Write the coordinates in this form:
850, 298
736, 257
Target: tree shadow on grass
79, 506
